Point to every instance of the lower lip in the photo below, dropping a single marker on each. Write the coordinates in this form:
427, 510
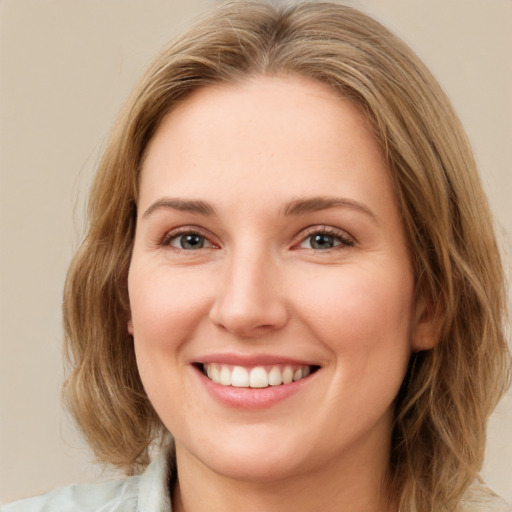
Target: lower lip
252, 398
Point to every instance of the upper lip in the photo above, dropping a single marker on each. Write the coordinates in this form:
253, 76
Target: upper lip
252, 360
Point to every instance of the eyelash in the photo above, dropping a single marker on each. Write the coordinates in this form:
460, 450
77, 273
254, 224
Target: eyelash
338, 235
344, 239
169, 237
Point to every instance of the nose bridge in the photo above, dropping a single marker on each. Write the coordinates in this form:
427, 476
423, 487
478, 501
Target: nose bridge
249, 300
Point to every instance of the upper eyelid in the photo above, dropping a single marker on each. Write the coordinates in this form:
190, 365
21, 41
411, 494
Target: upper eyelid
301, 236
171, 234
323, 228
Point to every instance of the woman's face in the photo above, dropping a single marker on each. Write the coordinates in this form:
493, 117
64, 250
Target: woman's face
270, 286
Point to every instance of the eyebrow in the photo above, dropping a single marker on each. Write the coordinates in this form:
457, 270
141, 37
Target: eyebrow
301, 206
296, 207
182, 205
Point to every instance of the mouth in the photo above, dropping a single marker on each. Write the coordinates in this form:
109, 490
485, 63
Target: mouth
263, 376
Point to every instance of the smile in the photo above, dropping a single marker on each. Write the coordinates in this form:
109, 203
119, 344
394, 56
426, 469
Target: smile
256, 377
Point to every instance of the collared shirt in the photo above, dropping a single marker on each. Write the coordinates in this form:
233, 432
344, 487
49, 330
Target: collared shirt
150, 492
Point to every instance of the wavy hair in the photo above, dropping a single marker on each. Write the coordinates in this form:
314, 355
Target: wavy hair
438, 440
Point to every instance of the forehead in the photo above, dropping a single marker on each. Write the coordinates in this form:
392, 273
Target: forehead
293, 134
272, 101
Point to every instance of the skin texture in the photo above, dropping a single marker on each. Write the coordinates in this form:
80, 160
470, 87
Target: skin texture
258, 287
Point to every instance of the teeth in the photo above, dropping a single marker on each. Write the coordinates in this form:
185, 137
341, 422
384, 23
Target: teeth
225, 376
274, 377
287, 375
257, 377
215, 374
240, 377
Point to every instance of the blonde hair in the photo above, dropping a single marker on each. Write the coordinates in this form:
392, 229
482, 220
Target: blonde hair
438, 439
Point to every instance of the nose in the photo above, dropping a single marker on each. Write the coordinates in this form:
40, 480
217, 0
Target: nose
250, 301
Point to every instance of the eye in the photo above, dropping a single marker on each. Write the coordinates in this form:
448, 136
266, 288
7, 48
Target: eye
189, 241
320, 241
324, 239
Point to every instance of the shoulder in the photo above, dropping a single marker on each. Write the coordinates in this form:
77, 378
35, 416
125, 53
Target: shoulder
148, 492
479, 498
111, 496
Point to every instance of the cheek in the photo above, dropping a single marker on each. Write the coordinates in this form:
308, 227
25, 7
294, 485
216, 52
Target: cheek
164, 315
164, 306
362, 317
165, 311
360, 312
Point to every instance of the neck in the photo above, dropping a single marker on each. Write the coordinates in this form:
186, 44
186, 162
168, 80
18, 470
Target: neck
357, 487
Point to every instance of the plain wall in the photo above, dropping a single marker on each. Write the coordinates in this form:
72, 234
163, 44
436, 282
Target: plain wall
66, 67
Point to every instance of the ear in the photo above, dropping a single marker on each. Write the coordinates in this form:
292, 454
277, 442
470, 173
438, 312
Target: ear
130, 325
424, 332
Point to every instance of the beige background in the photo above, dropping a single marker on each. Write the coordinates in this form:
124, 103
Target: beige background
66, 66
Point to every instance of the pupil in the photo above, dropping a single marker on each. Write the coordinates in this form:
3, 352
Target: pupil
192, 241
322, 241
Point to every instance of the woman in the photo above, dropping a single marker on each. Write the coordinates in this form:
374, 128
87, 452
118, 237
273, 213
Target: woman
290, 267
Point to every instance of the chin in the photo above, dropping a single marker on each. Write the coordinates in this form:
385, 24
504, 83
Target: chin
258, 468
250, 460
